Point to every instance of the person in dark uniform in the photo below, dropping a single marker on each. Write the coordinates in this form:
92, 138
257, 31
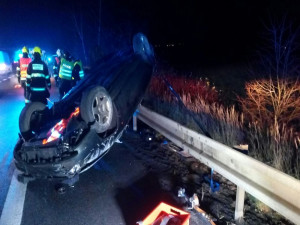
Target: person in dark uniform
65, 74
38, 79
77, 73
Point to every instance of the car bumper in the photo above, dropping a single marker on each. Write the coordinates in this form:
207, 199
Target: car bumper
60, 160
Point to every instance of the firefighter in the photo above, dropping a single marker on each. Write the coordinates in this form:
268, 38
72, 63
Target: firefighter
38, 79
77, 73
65, 74
56, 66
22, 67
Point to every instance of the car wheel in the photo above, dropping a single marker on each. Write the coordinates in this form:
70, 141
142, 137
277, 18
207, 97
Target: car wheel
29, 118
96, 107
142, 46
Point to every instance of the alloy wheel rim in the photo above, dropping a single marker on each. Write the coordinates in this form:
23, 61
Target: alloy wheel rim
102, 110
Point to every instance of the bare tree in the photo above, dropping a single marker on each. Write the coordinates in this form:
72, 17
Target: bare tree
272, 107
275, 100
278, 56
272, 104
272, 101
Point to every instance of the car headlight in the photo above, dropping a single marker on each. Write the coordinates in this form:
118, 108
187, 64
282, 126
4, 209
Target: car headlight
55, 132
3, 66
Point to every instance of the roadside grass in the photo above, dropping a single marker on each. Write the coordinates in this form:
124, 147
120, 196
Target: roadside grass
273, 145
201, 101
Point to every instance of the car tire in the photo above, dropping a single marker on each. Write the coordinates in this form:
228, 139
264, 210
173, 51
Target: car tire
97, 109
26, 120
142, 47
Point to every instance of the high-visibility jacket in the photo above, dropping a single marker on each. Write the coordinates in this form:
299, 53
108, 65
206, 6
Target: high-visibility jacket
65, 70
38, 79
24, 62
81, 72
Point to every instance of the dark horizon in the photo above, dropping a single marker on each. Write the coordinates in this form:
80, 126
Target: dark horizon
214, 31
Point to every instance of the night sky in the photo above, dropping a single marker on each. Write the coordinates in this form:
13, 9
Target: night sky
214, 30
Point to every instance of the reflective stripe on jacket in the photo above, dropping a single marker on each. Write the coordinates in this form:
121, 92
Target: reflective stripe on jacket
65, 71
38, 78
81, 72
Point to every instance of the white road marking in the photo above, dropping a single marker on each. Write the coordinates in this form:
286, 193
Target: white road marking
10, 77
14, 203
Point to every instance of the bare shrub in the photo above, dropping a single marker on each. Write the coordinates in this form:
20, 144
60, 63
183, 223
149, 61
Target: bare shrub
272, 101
223, 124
272, 105
272, 108
193, 88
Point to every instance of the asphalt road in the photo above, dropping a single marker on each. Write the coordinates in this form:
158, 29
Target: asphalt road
117, 190
11, 104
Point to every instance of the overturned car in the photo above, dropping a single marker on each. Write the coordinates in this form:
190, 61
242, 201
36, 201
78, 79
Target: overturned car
71, 136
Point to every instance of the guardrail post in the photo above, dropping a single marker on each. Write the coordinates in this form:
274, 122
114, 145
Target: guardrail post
239, 204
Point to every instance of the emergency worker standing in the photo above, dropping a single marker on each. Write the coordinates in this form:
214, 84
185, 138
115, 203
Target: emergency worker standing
65, 74
38, 79
77, 73
56, 66
22, 67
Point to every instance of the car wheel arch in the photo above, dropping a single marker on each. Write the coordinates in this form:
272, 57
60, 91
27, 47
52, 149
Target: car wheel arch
25, 119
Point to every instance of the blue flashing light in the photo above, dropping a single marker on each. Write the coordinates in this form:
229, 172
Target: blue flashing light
18, 55
49, 59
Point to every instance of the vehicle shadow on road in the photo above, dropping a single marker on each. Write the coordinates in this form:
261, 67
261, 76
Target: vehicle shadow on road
138, 199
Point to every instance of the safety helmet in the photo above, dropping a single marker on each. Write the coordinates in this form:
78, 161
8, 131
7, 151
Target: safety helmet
37, 49
25, 50
58, 52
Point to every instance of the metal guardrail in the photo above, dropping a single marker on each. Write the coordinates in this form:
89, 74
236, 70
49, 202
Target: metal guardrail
276, 189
